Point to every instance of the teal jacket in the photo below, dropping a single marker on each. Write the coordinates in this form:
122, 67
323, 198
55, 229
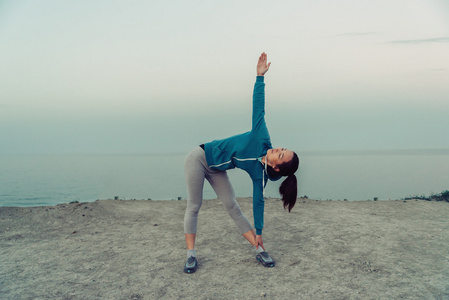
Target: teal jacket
244, 151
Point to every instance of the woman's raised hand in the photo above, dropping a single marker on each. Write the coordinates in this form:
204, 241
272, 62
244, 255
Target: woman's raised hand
262, 66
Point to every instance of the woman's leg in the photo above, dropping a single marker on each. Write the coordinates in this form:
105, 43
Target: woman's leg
223, 188
196, 170
190, 240
251, 237
195, 174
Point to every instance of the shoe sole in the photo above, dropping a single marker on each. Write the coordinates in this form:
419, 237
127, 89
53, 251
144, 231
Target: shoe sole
189, 271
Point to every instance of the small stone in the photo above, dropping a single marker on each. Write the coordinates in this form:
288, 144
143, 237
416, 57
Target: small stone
263, 294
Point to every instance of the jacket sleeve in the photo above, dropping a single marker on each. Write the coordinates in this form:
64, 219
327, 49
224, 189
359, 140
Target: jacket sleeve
258, 206
258, 122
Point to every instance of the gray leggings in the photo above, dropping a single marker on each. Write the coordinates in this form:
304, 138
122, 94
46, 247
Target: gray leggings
196, 170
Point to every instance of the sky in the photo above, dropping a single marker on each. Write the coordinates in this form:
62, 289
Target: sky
133, 77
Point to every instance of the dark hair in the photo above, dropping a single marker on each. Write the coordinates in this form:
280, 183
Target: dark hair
289, 188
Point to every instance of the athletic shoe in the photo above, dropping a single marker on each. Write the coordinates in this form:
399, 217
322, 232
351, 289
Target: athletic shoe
191, 265
265, 259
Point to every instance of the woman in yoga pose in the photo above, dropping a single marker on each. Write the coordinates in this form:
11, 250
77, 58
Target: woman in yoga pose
251, 152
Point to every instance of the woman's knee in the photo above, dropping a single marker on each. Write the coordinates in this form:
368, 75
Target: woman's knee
193, 208
232, 207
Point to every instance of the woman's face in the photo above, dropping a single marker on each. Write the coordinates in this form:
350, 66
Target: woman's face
278, 156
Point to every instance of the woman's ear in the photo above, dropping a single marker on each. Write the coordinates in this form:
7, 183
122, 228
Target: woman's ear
276, 169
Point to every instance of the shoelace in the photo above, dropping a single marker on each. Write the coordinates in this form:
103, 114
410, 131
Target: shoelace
190, 261
266, 258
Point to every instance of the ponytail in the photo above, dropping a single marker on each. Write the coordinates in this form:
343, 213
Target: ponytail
289, 191
289, 188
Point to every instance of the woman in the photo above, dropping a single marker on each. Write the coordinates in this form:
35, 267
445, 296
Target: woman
252, 152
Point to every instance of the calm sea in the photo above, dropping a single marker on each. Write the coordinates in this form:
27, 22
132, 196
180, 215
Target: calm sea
50, 180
